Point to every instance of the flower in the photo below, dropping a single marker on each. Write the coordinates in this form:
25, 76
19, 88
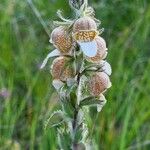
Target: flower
98, 83
84, 32
61, 40
101, 51
84, 24
61, 69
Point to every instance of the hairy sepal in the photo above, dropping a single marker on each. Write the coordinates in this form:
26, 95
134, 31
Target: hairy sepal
52, 54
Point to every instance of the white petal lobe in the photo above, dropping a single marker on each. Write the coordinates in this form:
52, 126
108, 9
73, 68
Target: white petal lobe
89, 48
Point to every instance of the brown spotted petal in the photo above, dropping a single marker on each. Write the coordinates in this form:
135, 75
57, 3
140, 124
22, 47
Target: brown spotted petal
85, 35
84, 23
61, 70
98, 83
61, 39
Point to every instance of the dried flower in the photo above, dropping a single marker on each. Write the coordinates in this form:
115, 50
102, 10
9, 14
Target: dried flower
98, 83
61, 39
101, 51
61, 69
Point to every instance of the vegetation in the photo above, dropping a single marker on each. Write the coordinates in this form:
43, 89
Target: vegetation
27, 98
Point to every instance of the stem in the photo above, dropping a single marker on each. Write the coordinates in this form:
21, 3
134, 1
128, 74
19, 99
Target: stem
75, 119
74, 145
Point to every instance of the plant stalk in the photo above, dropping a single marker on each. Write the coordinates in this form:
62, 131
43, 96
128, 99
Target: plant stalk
75, 119
74, 145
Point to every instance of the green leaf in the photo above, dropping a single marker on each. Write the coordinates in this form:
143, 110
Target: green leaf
68, 108
55, 119
73, 95
91, 100
78, 134
64, 140
68, 99
81, 133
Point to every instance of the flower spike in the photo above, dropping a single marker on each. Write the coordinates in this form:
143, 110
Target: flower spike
80, 74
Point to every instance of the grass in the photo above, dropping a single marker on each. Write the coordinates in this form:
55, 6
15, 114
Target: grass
124, 122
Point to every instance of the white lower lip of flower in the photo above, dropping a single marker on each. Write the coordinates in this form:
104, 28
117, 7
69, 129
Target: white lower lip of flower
89, 48
57, 84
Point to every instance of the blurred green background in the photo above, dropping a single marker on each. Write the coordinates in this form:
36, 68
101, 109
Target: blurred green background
27, 96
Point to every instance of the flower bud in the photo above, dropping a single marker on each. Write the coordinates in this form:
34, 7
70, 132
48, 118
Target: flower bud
61, 40
101, 51
61, 69
98, 83
85, 29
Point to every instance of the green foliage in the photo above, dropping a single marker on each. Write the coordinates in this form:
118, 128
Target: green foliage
91, 100
64, 139
55, 119
124, 123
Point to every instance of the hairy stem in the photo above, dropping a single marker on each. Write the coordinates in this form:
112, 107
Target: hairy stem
75, 118
74, 128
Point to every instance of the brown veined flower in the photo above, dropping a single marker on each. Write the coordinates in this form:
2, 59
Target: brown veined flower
61, 68
101, 51
84, 32
84, 29
62, 40
83, 24
98, 83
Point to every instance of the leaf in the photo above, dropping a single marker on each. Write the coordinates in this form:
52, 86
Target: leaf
68, 108
81, 133
72, 94
64, 140
91, 100
78, 133
55, 119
